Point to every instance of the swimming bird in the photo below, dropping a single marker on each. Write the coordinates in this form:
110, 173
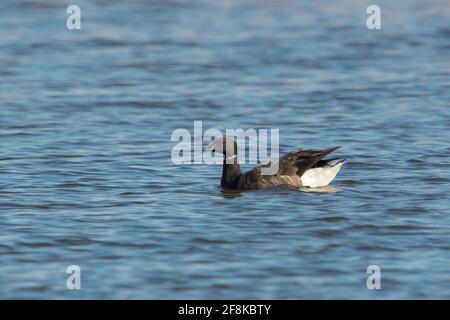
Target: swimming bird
302, 168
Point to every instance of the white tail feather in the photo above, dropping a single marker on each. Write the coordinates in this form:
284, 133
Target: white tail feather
321, 176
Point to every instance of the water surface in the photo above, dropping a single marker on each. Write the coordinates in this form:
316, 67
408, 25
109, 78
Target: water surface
86, 176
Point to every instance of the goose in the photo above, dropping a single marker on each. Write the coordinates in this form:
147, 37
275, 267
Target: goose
301, 168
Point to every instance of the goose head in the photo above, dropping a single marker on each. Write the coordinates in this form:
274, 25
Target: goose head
226, 146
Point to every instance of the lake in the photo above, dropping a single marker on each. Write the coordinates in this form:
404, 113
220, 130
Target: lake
86, 176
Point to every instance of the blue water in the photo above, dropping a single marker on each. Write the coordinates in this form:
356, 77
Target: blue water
86, 176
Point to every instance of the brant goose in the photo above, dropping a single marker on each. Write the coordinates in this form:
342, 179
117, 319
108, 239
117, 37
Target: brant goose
302, 168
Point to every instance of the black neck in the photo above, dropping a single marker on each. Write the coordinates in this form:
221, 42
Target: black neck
230, 173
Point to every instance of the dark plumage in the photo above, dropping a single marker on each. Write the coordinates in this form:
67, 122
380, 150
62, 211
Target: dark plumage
297, 168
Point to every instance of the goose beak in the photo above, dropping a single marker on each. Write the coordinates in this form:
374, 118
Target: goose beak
210, 147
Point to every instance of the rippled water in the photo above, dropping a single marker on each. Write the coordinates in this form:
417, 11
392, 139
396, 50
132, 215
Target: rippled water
86, 176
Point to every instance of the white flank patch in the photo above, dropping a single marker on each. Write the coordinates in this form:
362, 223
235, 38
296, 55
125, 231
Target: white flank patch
320, 177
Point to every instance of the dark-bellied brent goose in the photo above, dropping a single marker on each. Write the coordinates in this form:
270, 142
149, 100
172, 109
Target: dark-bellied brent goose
302, 168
